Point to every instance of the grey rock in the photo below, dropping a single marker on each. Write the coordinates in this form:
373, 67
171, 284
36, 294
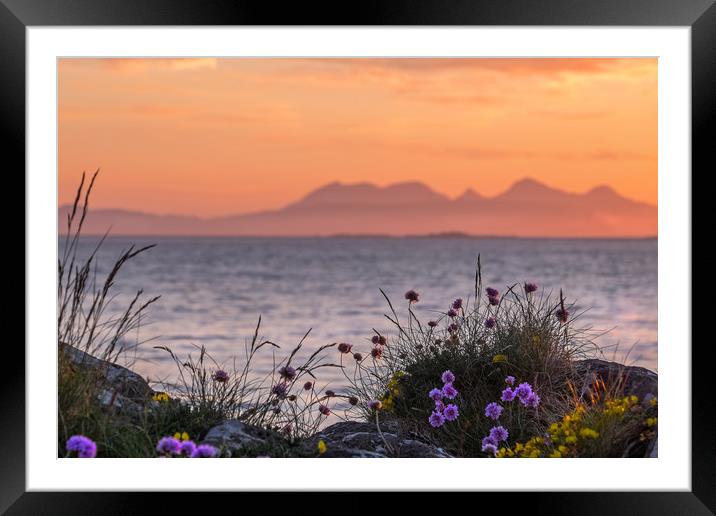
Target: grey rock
362, 439
232, 435
120, 389
638, 381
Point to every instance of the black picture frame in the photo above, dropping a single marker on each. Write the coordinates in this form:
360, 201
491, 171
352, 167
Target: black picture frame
700, 15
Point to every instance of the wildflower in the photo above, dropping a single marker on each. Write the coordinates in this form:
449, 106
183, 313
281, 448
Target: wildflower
536, 339
204, 451
344, 347
530, 287
588, 433
169, 446
532, 400
292, 397
84, 446
499, 358
490, 322
451, 412
494, 301
220, 376
492, 292
435, 394
375, 405
498, 433
187, 448
322, 447
523, 390
447, 377
562, 314
330, 393
382, 340
652, 402
324, 410
357, 357
376, 352
508, 394
449, 391
436, 419
160, 396
412, 296
651, 421
457, 304
375, 339
181, 436
452, 313
453, 328
353, 400
307, 386
439, 406
432, 324
489, 446
493, 410
287, 372
510, 380
280, 389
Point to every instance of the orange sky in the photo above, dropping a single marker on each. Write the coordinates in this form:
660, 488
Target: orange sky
222, 136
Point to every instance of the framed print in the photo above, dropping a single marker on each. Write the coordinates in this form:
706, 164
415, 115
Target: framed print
427, 248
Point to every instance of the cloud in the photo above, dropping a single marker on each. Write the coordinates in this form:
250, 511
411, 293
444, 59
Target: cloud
142, 64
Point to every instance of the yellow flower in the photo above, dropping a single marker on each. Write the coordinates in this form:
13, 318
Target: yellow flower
183, 436
499, 358
536, 339
588, 433
570, 439
322, 447
555, 454
651, 421
160, 396
652, 402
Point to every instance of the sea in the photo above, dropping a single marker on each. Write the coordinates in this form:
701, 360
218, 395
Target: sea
214, 289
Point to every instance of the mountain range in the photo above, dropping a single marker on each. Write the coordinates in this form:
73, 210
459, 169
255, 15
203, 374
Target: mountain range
527, 209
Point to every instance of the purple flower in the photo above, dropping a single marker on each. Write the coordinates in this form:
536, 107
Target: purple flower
432, 324
375, 405
448, 377
562, 314
376, 352
523, 390
453, 328
508, 394
169, 445
204, 451
532, 401
490, 322
221, 376
357, 357
439, 406
187, 448
287, 372
452, 313
412, 296
451, 412
530, 287
498, 434
324, 410
353, 400
510, 380
436, 419
492, 292
344, 347
457, 304
493, 410
435, 394
308, 386
280, 389
84, 446
489, 446
379, 339
449, 391
494, 301
330, 393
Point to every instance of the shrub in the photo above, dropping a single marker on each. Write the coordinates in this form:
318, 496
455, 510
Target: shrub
522, 333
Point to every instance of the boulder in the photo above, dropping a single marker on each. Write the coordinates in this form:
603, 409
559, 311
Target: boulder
232, 435
362, 439
638, 381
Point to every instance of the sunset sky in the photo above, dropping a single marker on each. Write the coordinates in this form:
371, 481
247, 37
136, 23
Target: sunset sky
223, 136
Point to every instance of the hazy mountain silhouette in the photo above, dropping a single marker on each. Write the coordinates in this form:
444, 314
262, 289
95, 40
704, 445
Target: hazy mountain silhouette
527, 208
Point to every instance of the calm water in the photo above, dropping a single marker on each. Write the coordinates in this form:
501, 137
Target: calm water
213, 289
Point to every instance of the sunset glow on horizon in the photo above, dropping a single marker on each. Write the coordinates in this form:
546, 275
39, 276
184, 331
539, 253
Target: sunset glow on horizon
211, 137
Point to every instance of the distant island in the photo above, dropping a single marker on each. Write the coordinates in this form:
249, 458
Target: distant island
527, 209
